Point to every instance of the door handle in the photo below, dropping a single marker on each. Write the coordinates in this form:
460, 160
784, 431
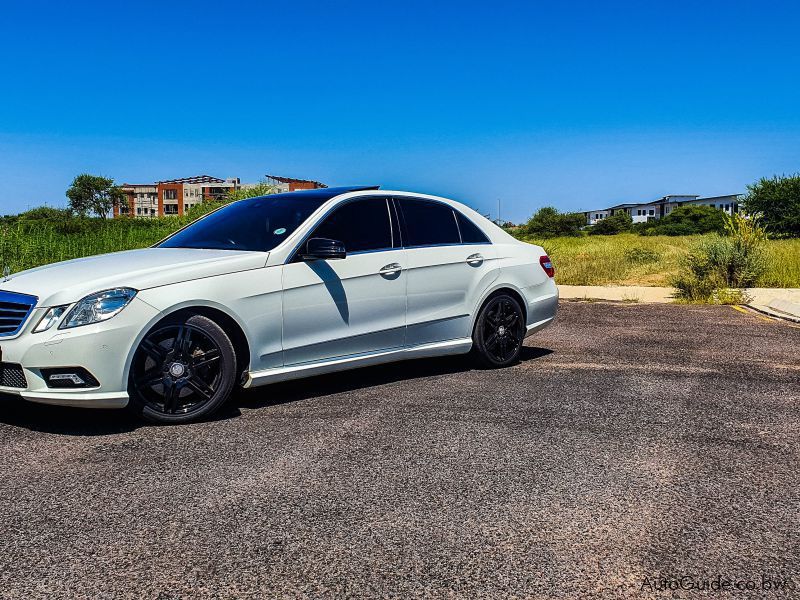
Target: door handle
475, 258
390, 269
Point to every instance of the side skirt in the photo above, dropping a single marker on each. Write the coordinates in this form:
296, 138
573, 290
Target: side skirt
460, 346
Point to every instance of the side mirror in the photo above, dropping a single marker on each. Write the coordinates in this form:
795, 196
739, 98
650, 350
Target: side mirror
323, 249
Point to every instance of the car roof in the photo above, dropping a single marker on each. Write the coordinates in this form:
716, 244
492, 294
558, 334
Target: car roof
324, 194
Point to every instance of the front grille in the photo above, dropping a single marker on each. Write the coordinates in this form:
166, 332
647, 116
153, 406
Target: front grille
14, 311
12, 375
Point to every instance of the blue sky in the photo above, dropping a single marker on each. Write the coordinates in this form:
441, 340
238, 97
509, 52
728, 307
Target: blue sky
574, 104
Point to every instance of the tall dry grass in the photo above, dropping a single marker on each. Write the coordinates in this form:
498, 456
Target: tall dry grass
630, 259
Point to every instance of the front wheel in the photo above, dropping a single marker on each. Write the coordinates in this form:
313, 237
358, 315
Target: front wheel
499, 331
182, 371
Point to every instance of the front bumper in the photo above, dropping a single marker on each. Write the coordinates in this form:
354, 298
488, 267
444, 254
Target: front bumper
104, 349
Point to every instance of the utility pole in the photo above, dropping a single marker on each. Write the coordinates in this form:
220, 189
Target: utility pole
499, 220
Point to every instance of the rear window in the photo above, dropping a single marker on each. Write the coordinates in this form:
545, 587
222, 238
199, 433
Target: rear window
428, 223
470, 233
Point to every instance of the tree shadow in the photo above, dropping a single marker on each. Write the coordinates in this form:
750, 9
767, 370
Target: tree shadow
61, 420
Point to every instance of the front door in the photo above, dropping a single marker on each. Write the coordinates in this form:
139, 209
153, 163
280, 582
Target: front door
341, 307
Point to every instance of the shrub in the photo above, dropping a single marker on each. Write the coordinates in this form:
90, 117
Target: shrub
616, 223
641, 256
720, 264
47, 212
548, 222
686, 220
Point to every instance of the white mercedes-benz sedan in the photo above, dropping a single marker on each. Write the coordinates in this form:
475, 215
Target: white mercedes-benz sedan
268, 289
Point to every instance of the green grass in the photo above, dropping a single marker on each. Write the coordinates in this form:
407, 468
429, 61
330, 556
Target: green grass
29, 243
630, 259
625, 259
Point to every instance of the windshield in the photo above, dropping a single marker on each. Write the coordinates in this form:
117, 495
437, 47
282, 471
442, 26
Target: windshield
254, 224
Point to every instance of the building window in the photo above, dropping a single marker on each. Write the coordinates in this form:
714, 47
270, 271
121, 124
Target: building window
171, 209
652, 212
170, 194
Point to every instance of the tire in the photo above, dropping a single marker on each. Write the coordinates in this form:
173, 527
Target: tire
499, 332
184, 370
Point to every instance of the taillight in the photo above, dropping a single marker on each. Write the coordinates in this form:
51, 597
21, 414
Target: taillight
547, 265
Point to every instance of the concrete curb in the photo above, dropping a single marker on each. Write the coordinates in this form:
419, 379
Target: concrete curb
785, 306
617, 293
766, 310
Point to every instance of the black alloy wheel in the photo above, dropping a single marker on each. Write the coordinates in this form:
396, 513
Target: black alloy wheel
183, 370
499, 332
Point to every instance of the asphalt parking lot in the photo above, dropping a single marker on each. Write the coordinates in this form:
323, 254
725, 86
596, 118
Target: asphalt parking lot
632, 442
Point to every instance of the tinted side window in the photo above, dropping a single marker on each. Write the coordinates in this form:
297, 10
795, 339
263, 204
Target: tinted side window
470, 233
361, 225
428, 223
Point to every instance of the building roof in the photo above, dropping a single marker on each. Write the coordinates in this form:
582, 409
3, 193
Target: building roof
293, 180
195, 179
626, 205
718, 197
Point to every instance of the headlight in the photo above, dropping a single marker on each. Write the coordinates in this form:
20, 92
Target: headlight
50, 318
98, 307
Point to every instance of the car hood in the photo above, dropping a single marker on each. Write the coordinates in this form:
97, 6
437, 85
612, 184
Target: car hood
69, 281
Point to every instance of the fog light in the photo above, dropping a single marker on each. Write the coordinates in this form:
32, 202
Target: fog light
69, 377
66, 377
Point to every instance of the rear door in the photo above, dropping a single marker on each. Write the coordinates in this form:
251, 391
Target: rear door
450, 264
355, 305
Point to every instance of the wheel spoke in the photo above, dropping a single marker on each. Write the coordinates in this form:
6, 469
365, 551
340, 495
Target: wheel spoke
150, 379
500, 312
206, 358
491, 341
200, 386
170, 396
155, 351
182, 341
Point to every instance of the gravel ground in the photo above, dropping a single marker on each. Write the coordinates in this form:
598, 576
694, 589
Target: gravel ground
632, 442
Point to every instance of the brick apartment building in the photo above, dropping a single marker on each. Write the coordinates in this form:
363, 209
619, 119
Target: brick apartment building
177, 196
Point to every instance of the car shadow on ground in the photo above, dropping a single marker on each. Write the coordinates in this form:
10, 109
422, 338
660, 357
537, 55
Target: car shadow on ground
345, 381
91, 422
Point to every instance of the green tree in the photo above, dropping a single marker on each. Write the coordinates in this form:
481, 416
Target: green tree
93, 194
776, 202
548, 222
262, 188
616, 223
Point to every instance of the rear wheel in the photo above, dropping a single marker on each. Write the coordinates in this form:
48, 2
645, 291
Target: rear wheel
499, 331
182, 371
